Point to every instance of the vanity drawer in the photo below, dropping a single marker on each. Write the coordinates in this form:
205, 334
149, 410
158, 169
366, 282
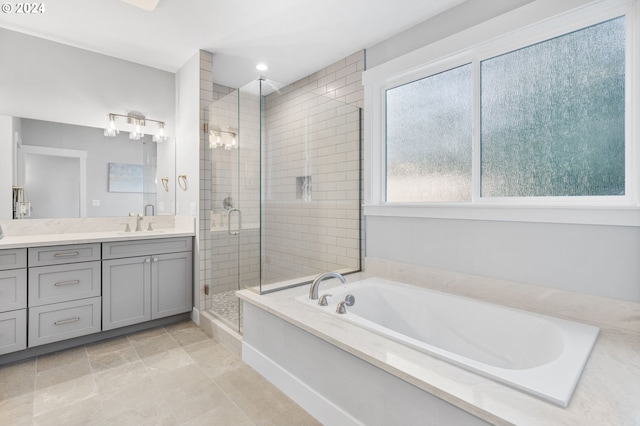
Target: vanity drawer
56, 255
13, 290
62, 283
13, 331
12, 259
61, 321
131, 248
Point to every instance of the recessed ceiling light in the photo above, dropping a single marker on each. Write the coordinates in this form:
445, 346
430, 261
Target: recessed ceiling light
262, 67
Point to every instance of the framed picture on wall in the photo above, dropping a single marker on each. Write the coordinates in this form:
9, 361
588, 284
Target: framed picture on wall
126, 177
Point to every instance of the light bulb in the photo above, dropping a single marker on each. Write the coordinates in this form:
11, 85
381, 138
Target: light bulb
161, 137
111, 130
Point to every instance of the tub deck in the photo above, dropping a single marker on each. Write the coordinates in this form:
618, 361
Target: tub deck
606, 394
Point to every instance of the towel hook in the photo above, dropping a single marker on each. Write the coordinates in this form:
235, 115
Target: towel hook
182, 181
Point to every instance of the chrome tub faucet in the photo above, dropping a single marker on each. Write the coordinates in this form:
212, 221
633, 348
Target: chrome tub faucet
315, 285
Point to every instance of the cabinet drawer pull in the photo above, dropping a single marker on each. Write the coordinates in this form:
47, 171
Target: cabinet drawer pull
67, 254
66, 321
61, 283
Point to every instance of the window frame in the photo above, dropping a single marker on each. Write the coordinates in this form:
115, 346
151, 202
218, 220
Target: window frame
533, 23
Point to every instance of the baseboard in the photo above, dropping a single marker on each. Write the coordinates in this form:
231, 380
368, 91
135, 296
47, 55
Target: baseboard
195, 315
314, 403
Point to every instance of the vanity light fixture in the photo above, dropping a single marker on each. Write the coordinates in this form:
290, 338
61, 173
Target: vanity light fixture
137, 121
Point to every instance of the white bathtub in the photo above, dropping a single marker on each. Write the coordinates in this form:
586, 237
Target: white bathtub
538, 354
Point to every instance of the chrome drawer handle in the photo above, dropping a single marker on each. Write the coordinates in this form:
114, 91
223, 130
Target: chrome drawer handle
66, 321
67, 283
68, 254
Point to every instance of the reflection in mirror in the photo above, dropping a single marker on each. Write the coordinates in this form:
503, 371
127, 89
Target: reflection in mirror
62, 170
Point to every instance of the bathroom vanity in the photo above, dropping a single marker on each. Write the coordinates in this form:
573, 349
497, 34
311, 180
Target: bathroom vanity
62, 290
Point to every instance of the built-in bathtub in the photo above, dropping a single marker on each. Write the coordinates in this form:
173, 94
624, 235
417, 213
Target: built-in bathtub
535, 353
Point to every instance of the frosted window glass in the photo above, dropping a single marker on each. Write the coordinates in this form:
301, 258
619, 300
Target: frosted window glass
428, 138
553, 116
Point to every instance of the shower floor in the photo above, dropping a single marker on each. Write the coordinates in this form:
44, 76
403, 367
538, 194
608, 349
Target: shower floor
227, 307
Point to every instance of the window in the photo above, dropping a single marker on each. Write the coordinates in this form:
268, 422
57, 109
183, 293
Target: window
429, 126
550, 118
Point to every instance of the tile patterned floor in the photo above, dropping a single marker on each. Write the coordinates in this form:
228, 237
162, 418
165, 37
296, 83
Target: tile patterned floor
172, 375
227, 306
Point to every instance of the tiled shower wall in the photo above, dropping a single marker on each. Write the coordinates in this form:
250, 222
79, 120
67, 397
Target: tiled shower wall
301, 236
310, 132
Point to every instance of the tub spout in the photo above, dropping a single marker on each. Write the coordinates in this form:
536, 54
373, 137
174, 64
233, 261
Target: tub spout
315, 285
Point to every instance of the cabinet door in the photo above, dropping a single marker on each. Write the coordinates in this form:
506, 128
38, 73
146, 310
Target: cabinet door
171, 291
13, 331
13, 289
126, 292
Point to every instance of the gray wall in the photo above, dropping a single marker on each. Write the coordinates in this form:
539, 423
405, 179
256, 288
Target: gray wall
598, 260
592, 259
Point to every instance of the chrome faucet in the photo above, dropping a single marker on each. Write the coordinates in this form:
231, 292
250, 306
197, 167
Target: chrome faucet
313, 291
139, 218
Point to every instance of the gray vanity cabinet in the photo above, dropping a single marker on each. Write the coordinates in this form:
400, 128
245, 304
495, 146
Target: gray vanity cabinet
145, 280
13, 300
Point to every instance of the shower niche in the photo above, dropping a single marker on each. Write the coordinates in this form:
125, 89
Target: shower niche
303, 188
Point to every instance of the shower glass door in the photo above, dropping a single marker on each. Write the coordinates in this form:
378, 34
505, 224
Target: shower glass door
234, 205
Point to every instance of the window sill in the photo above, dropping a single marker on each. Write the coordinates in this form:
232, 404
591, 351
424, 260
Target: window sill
612, 216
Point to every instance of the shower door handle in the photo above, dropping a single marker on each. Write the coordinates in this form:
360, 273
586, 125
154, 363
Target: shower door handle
229, 231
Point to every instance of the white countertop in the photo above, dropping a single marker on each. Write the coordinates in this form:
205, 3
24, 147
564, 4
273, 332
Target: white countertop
50, 232
607, 393
25, 241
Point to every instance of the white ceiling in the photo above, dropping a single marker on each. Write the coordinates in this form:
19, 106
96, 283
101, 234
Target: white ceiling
294, 37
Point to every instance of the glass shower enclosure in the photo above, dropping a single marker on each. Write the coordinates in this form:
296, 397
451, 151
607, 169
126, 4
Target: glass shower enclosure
282, 192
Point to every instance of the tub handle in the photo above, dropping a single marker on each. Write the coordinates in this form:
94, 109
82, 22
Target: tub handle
349, 300
323, 299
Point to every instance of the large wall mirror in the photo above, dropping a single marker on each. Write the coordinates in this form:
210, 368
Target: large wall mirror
65, 171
